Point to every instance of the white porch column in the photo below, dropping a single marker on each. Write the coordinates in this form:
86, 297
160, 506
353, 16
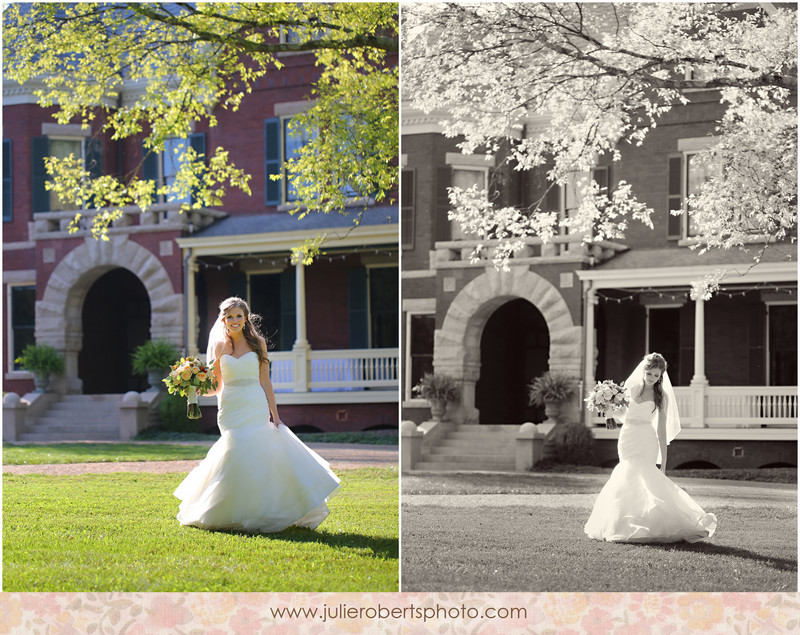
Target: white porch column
301, 349
589, 352
699, 381
191, 305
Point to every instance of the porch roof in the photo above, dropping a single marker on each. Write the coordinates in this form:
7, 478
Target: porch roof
265, 233
284, 222
685, 257
682, 266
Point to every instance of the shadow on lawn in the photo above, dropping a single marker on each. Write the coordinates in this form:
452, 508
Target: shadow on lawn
386, 548
781, 564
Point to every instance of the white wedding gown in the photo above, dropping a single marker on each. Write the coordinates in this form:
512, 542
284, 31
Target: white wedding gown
256, 477
639, 503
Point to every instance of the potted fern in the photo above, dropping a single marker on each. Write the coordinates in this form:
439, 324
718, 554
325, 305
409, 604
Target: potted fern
42, 360
153, 358
439, 390
551, 389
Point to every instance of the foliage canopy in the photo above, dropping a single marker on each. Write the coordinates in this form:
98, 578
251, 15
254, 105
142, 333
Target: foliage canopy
188, 61
557, 85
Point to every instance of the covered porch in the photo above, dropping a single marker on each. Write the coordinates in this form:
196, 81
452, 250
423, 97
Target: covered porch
307, 366
727, 337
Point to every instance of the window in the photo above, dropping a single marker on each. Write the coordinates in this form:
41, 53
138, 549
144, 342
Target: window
782, 344
8, 199
407, 201
162, 167
373, 306
663, 335
419, 348
272, 296
21, 314
88, 149
686, 177
567, 198
464, 178
280, 145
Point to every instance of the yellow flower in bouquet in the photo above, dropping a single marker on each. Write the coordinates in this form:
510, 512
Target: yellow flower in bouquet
188, 376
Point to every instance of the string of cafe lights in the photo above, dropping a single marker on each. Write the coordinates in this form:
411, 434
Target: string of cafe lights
282, 261
675, 294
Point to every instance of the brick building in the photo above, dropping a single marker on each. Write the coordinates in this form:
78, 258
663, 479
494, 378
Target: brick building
593, 311
162, 274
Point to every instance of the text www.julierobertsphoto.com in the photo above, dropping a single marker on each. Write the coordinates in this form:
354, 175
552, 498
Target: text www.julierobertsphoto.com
411, 612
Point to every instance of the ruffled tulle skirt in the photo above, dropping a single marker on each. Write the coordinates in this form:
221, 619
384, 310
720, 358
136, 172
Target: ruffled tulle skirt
640, 504
257, 478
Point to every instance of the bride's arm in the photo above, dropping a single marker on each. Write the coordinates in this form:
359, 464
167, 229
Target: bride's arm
266, 384
217, 370
662, 438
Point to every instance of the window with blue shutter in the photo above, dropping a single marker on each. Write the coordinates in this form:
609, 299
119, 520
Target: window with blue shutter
40, 197
8, 199
197, 141
272, 161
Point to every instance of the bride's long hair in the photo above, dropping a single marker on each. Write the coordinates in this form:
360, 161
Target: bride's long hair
656, 360
250, 330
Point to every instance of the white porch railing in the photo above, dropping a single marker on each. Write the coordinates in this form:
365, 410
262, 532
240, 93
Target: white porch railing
336, 370
738, 407
751, 406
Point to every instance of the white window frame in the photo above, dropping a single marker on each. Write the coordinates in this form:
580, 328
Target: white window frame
369, 266
81, 141
21, 279
410, 308
687, 148
162, 177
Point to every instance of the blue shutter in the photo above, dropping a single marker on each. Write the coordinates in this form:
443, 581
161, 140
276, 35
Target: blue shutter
288, 332
198, 143
272, 160
8, 199
40, 197
674, 197
357, 303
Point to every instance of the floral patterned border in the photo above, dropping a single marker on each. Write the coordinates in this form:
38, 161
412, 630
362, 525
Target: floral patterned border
562, 613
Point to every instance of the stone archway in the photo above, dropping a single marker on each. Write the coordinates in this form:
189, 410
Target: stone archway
58, 314
456, 348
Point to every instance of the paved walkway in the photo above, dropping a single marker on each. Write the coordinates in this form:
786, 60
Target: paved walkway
341, 456
709, 493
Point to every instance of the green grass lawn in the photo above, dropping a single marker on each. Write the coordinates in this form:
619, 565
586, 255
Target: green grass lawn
99, 453
118, 532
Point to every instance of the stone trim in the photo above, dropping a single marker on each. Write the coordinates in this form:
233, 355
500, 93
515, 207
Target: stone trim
457, 344
58, 314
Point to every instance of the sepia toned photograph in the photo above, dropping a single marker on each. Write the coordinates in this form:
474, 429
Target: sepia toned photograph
599, 297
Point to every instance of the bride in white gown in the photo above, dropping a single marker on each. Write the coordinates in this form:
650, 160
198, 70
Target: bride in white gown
259, 476
639, 503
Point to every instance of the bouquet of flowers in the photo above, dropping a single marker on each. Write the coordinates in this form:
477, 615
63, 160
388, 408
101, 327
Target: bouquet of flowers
607, 396
186, 377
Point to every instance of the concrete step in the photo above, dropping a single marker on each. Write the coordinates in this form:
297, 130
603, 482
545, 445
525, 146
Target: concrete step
435, 466
473, 450
463, 458
474, 443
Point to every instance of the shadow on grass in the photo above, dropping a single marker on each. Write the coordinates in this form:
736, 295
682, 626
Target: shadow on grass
781, 564
384, 548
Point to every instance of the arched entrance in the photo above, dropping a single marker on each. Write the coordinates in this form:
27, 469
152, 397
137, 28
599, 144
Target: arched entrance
59, 313
457, 344
514, 349
115, 320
